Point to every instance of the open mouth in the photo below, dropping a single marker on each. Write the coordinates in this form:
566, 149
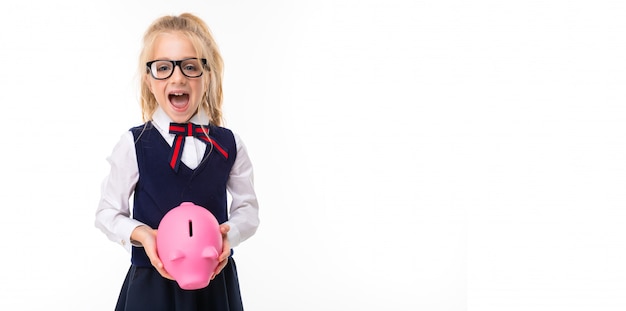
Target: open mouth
179, 100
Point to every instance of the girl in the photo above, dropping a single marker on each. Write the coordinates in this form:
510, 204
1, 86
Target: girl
181, 87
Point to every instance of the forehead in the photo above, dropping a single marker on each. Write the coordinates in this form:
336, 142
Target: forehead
172, 46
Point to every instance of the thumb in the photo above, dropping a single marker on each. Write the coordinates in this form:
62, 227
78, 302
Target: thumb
224, 228
154, 256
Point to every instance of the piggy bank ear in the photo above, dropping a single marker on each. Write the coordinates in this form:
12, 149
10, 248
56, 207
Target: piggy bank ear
176, 255
209, 252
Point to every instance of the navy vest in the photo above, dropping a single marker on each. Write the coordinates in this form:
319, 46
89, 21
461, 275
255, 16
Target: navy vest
159, 188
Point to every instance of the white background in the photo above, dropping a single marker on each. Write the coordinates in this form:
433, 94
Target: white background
409, 155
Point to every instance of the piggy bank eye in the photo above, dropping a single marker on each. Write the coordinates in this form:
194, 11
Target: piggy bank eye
190, 228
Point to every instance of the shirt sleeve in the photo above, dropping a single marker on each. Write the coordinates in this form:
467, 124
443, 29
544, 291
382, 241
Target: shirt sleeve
113, 215
244, 209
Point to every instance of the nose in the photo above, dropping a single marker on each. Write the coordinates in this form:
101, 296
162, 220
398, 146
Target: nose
177, 75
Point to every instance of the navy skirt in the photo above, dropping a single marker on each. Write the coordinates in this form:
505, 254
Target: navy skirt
144, 289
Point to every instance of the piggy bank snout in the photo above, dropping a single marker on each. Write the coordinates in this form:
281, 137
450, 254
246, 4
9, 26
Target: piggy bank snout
193, 271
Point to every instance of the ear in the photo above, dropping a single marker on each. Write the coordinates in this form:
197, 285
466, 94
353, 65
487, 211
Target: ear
209, 252
177, 255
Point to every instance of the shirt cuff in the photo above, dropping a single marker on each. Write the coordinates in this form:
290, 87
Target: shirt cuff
126, 230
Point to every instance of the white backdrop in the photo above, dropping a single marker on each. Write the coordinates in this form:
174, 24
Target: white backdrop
409, 155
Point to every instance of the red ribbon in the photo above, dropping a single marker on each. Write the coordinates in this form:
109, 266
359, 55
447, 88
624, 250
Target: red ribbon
183, 130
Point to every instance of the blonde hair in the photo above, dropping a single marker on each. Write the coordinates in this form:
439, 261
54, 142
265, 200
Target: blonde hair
201, 38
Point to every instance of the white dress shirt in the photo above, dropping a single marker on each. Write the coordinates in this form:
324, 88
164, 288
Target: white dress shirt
113, 215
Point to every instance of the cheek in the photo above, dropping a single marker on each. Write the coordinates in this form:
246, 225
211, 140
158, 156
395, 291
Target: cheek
156, 88
201, 88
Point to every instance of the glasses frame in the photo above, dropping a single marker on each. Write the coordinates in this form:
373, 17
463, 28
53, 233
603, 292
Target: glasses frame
177, 63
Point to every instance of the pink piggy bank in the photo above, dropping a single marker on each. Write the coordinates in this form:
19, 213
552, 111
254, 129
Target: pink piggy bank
189, 243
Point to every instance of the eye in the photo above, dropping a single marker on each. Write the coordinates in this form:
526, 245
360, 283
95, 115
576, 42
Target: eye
190, 67
163, 67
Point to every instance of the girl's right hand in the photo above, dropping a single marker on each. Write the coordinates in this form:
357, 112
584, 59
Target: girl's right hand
146, 236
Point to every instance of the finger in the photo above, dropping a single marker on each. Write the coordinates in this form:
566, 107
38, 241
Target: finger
225, 252
154, 257
222, 265
165, 274
219, 268
158, 265
156, 261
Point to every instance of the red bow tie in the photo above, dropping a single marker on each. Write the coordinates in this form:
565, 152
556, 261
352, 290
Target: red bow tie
183, 130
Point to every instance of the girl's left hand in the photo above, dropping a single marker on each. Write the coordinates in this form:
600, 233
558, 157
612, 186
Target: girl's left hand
223, 259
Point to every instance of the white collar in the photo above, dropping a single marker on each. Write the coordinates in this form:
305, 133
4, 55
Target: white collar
161, 120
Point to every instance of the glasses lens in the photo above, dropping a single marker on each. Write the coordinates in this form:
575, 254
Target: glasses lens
161, 69
191, 68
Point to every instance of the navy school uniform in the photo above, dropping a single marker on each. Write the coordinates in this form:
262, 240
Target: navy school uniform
159, 189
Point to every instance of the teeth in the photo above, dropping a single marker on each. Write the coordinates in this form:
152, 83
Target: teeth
177, 94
